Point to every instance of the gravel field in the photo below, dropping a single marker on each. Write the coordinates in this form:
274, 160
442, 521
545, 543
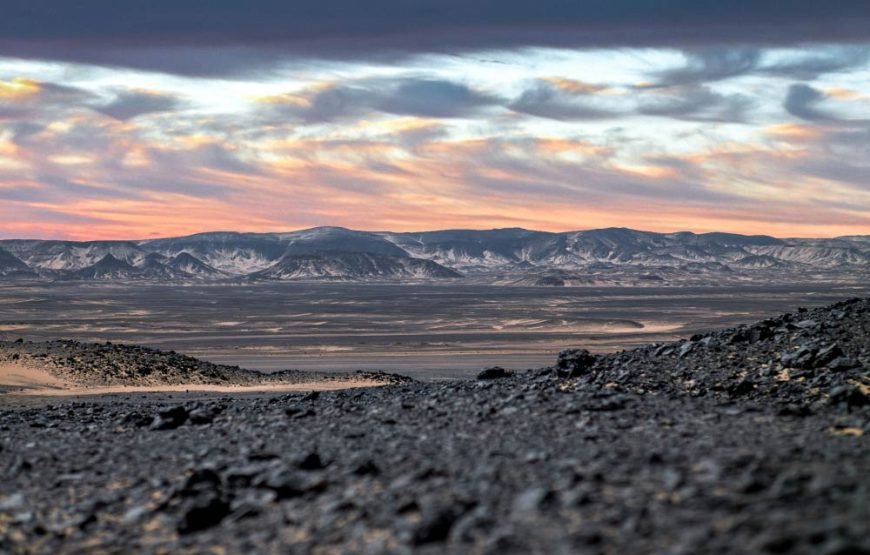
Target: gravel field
748, 440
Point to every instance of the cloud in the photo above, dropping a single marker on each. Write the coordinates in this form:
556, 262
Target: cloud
138, 184
802, 101
717, 64
558, 101
223, 38
825, 60
711, 65
808, 103
697, 103
432, 98
134, 103
420, 97
577, 101
22, 98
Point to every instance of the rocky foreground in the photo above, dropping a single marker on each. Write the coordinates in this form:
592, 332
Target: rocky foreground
748, 440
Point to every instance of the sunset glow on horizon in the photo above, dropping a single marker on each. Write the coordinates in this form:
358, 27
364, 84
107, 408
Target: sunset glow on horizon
726, 136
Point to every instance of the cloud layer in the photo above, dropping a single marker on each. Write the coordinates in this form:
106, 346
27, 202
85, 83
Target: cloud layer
388, 115
222, 37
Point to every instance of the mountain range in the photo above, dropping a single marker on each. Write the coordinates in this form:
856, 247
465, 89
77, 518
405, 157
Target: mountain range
508, 256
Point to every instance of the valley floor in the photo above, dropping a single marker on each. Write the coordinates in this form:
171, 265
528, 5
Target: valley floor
427, 331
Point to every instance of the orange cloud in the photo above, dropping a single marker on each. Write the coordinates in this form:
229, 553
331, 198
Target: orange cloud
793, 131
137, 183
845, 94
301, 98
654, 172
561, 146
19, 88
579, 87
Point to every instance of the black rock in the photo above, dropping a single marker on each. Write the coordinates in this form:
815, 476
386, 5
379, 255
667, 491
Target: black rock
297, 412
848, 394
435, 527
171, 418
686, 348
203, 416
367, 468
842, 363
311, 461
201, 479
761, 333
493, 373
572, 363
827, 354
741, 388
740, 335
287, 483
803, 357
137, 419
242, 476
204, 511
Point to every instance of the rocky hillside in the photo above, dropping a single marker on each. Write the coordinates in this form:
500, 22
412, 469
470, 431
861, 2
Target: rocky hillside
749, 440
799, 363
108, 364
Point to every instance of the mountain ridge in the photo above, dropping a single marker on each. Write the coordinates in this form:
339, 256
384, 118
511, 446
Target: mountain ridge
505, 255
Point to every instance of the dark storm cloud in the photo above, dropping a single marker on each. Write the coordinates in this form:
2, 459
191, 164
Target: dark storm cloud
431, 98
130, 104
182, 35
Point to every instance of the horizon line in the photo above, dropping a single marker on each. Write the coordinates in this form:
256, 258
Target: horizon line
433, 230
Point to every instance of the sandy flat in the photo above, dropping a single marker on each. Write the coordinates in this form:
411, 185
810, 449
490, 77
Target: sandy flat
19, 379
14, 375
275, 388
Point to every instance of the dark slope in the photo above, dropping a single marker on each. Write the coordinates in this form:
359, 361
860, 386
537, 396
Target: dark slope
338, 239
12, 267
749, 440
353, 266
189, 264
107, 268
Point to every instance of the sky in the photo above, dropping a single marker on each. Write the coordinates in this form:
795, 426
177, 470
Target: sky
135, 119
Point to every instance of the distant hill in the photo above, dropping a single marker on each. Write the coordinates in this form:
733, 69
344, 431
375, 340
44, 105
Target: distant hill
513, 255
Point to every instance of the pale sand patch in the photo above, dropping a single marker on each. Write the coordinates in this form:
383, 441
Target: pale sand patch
28, 377
18, 379
324, 385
